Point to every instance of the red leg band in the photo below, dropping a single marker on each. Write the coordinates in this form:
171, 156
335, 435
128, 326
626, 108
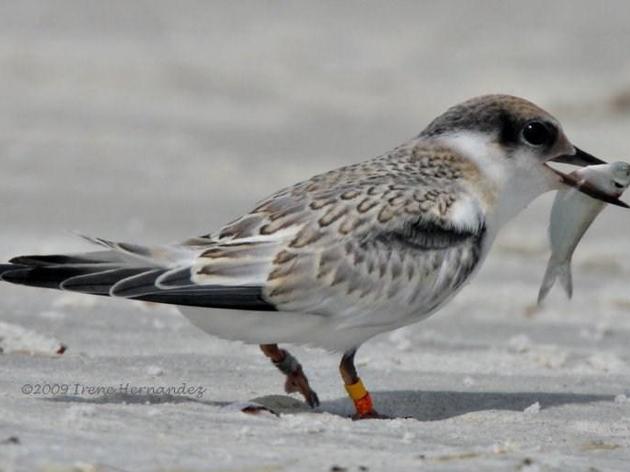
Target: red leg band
364, 405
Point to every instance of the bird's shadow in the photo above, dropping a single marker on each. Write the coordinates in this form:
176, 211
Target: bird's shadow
420, 405
440, 405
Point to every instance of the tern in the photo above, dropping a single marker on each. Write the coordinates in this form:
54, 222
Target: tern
348, 254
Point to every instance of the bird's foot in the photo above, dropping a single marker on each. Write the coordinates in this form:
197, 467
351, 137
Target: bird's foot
298, 383
371, 415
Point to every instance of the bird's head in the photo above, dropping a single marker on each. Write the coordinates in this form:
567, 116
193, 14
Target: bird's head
514, 139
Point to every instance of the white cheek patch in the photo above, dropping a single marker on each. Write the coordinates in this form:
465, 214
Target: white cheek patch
466, 214
483, 151
518, 178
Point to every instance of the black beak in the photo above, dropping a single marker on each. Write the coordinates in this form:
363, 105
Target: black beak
583, 159
580, 158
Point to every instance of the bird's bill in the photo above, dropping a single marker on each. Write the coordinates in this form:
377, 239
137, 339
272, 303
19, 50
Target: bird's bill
579, 158
583, 159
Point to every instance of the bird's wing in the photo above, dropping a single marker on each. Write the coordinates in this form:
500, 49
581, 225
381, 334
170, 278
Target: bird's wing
384, 277
395, 231
403, 231
379, 251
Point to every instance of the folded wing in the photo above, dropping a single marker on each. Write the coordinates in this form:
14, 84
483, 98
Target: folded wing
399, 233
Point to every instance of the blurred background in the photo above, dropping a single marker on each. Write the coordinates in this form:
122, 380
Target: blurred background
156, 121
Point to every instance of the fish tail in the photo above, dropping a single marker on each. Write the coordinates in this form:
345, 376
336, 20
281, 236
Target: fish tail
553, 272
566, 279
550, 278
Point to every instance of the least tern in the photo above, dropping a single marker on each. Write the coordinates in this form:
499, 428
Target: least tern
343, 256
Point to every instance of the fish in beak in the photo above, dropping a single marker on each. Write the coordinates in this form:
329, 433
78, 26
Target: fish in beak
573, 213
583, 159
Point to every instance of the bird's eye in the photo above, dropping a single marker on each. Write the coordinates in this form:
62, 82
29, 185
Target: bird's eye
537, 133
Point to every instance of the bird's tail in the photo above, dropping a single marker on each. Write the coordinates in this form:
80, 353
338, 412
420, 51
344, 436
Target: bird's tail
555, 271
162, 275
94, 273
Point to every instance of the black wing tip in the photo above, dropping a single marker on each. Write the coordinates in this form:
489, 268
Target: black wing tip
10, 266
131, 283
35, 260
53, 259
13, 272
19, 260
98, 282
40, 276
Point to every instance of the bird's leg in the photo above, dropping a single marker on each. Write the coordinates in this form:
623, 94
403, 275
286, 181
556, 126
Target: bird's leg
289, 366
354, 386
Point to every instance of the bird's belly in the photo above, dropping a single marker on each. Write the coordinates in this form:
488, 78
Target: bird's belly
271, 327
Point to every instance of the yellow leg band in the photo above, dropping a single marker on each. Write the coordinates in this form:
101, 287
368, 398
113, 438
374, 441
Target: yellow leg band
356, 391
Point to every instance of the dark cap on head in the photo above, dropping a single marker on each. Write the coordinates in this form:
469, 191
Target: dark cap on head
505, 114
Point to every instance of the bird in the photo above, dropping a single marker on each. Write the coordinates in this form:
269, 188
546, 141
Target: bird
339, 258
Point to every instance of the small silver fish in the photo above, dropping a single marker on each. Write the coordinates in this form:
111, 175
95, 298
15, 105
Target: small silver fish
572, 214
